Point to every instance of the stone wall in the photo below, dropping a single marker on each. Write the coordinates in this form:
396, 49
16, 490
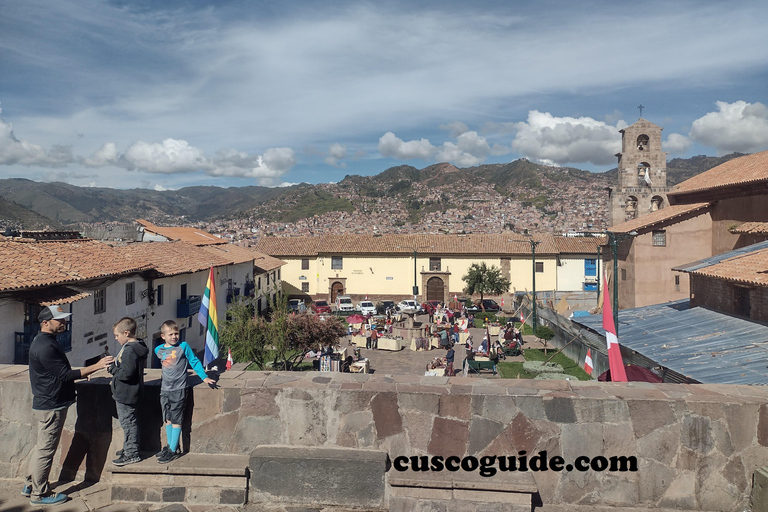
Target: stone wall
697, 446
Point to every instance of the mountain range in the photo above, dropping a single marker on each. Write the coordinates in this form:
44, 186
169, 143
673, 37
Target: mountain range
35, 205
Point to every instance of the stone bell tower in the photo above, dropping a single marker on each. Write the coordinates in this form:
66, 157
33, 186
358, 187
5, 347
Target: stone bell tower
642, 186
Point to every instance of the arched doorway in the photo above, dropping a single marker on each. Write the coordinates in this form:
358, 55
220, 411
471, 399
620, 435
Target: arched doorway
337, 288
435, 289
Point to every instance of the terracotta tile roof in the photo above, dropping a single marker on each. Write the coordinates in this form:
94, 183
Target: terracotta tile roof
234, 253
266, 263
739, 171
52, 295
749, 268
191, 235
474, 244
579, 244
172, 258
28, 264
751, 228
657, 217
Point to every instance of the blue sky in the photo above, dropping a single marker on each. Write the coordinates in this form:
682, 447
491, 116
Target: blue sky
230, 93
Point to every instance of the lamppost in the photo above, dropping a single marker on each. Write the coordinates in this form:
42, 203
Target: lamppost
533, 252
614, 239
415, 254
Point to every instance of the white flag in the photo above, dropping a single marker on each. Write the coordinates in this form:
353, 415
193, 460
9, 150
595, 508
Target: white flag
647, 178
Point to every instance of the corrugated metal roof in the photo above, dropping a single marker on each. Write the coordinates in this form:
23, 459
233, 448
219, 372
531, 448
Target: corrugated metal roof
714, 260
705, 345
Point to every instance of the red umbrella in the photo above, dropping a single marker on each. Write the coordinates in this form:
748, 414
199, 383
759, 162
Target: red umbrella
634, 374
355, 319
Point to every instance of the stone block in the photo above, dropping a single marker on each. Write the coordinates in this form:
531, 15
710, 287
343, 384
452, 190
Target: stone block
232, 497
154, 494
208, 495
560, 410
482, 432
697, 434
742, 424
758, 499
649, 415
386, 415
455, 406
424, 402
449, 437
175, 494
331, 476
124, 493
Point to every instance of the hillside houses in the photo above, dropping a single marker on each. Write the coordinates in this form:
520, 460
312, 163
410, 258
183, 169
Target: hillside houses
101, 282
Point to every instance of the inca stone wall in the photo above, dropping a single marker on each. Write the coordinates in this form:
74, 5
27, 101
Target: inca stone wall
697, 446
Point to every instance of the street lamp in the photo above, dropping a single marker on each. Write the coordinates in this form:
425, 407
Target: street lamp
415, 254
615, 239
533, 252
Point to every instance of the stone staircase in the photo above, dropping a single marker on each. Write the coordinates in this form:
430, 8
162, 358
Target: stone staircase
195, 479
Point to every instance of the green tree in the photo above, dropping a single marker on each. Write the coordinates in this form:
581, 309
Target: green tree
483, 279
243, 333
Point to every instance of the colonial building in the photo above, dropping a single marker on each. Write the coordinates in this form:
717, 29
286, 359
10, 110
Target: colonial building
642, 173
101, 282
391, 266
704, 219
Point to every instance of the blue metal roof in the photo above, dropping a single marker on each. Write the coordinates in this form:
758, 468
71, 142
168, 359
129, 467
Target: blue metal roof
705, 345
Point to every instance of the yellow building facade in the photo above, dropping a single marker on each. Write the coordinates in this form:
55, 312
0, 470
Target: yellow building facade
388, 266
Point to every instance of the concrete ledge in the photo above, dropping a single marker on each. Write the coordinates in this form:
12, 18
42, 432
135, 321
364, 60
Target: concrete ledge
198, 464
321, 476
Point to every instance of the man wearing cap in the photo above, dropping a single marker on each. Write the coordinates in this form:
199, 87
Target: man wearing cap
53, 389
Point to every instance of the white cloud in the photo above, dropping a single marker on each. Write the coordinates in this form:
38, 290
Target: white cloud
171, 156
455, 128
737, 126
106, 155
392, 146
15, 151
470, 149
336, 152
677, 143
159, 188
265, 168
567, 140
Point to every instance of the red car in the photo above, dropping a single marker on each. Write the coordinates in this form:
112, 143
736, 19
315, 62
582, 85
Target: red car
430, 306
322, 307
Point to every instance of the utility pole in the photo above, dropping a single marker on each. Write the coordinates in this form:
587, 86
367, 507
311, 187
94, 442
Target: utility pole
533, 252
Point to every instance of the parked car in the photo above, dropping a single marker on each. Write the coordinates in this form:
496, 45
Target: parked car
430, 306
367, 307
388, 304
490, 307
322, 307
344, 303
409, 306
296, 305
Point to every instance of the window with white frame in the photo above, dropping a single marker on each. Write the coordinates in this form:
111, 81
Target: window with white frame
337, 263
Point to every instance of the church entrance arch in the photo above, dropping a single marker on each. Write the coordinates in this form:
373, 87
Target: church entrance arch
337, 288
435, 289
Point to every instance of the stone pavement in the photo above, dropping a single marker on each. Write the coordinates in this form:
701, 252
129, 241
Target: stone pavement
406, 361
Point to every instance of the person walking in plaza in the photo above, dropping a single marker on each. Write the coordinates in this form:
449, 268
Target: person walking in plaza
176, 358
53, 392
128, 386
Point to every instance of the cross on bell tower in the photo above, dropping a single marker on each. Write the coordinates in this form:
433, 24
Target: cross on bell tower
641, 107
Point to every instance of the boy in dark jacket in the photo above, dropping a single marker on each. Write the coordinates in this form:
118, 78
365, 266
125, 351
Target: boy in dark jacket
128, 386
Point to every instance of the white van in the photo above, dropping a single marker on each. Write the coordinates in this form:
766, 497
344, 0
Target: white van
367, 308
344, 303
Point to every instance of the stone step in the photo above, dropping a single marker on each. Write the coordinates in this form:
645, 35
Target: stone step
514, 491
195, 478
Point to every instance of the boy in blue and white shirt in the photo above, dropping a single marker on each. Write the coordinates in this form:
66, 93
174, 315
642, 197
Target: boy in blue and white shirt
176, 358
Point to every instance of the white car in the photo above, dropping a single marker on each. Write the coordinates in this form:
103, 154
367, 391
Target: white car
366, 307
409, 306
344, 303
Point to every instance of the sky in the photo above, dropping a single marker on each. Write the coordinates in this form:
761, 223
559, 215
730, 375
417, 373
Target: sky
164, 95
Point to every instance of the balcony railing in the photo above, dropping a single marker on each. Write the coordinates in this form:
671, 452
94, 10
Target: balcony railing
189, 306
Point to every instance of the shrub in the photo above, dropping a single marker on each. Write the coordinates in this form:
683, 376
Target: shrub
545, 333
538, 367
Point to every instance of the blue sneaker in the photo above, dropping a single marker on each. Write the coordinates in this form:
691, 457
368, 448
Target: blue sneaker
51, 499
26, 491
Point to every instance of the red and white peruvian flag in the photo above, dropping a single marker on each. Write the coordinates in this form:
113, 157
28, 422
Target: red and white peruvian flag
366, 296
588, 362
455, 297
615, 362
522, 318
502, 302
229, 359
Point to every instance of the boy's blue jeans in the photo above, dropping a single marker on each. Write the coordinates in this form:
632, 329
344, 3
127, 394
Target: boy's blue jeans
129, 422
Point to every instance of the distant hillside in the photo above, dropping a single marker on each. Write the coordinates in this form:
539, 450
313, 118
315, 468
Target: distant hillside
17, 216
438, 187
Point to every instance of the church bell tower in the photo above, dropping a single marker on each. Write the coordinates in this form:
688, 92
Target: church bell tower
642, 186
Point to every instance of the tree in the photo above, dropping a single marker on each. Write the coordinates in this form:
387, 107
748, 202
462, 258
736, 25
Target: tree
483, 279
283, 337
